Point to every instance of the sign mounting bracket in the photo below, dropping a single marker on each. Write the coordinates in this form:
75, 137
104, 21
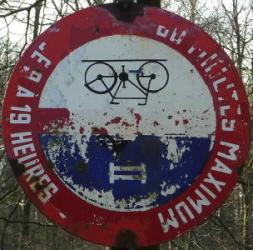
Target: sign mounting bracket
128, 10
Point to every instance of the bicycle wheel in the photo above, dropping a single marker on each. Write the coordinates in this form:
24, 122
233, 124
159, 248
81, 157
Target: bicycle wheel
152, 76
103, 82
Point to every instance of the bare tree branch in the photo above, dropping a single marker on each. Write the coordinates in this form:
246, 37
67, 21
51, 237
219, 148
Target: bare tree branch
22, 9
9, 193
220, 223
26, 222
6, 223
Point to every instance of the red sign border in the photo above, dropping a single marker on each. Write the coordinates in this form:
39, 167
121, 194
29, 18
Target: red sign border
103, 226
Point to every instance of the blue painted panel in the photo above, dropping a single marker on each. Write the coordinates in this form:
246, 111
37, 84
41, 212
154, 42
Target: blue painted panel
92, 172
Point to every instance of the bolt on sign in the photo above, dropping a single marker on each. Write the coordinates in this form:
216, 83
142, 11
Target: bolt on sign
136, 126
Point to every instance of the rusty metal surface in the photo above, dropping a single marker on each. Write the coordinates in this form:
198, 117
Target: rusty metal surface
126, 128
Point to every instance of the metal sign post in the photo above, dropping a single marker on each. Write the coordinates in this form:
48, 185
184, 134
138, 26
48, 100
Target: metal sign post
126, 128
157, 247
127, 240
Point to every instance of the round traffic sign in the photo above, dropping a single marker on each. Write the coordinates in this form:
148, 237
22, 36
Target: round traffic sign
115, 127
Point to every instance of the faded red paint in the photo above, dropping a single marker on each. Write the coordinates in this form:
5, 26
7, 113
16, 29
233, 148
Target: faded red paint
126, 124
52, 119
99, 131
81, 130
115, 120
138, 118
185, 121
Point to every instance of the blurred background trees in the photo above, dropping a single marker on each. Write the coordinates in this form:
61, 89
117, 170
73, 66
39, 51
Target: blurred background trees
229, 22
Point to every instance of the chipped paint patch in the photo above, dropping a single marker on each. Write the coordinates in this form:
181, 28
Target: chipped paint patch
100, 151
167, 189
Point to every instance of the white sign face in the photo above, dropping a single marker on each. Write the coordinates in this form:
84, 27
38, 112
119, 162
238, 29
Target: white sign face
129, 94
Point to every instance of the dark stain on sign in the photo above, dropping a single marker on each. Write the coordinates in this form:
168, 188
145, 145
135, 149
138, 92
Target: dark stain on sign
18, 169
81, 166
50, 165
35, 180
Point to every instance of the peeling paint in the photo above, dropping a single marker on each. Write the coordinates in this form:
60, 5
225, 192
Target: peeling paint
163, 133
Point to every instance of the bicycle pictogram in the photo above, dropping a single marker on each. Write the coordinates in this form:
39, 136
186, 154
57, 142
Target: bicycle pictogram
149, 78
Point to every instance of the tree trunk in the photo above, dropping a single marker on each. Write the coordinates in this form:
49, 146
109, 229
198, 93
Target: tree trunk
37, 20
246, 213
